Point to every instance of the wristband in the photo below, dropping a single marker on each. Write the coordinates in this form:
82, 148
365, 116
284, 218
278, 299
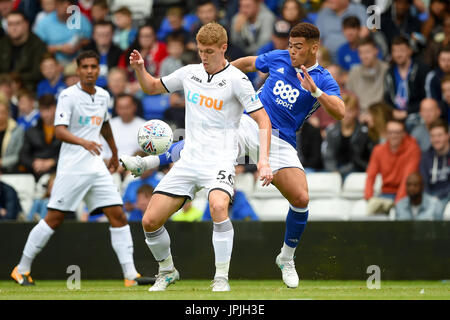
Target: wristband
317, 93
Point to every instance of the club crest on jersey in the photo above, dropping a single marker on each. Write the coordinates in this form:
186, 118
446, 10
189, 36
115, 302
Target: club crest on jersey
204, 101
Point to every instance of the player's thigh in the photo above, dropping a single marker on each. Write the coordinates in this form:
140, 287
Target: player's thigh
159, 209
219, 201
103, 193
292, 184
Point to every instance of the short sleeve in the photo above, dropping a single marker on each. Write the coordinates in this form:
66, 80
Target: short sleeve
330, 87
246, 94
63, 110
262, 62
174, 81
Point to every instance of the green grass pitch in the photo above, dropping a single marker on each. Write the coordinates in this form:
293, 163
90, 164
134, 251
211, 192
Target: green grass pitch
240, 290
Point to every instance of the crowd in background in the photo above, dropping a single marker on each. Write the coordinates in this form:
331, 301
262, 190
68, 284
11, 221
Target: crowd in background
393, 70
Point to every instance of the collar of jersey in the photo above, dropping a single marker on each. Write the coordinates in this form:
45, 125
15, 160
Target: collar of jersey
210, 76
308, 69
79, 87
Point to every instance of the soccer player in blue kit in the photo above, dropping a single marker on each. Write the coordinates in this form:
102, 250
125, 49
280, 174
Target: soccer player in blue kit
296, 86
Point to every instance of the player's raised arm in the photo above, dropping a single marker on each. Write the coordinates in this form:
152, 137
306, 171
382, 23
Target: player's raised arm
245, 64
265, 133
149, 84
332, 104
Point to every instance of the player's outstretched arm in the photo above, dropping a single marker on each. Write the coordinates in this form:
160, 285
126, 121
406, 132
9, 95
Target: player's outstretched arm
265, 134
149, 84
245, 64
106, 132
63, 134
332, 104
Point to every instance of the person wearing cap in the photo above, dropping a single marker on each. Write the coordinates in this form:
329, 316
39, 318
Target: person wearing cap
280, 38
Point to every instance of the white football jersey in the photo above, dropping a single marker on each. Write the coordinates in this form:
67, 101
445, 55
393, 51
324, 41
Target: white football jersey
214, 106
83, 114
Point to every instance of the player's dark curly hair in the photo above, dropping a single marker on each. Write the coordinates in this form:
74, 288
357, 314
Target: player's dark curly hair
87, 54
305, 30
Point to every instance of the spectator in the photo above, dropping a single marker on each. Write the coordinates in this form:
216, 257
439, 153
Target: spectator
85, 7
398, 20
329, 21
417, 205
125, 126
347, 54
176, 24
347, 146
152, 51
435, 163
444, 104
436, 15
102, 44
9, 202
11, 140
405, 81
70, 74
367, 79
280, 38
434, 77
175, 48
48, 6
38, 209
395, 160
117, 85
140, 10
251, 27
6, 92
188, 213
40, 150
21, 50
240, 209
28, 114
144, 194
429, 112
438, 42
99, 11
293, 12
376, 120
62, 41
53, 82
125, 34
309, 142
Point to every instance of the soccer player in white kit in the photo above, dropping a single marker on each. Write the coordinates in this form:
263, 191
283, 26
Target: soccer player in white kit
81, 116
216, 95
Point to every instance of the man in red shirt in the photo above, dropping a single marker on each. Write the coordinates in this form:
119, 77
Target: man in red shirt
395, 160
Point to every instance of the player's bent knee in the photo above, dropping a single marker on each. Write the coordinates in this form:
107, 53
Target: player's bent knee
150, 224
300, 200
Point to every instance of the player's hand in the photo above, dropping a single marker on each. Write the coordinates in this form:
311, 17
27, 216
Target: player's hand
306, 81
136, 60
113, 164
93, 147
265, 172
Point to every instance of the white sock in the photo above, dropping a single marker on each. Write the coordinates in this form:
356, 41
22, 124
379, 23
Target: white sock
151, 162
287, 253
159, 244
222, 239
122, 243
37, 239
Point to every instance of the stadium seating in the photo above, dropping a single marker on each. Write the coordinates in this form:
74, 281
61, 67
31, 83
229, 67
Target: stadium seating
447, 212
245, 182
154, 106
324, 185
24, 184
270, 209
329, 209
354, 184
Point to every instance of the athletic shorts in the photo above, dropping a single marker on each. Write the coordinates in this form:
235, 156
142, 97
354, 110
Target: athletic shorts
186, 178
96, 189
282, 154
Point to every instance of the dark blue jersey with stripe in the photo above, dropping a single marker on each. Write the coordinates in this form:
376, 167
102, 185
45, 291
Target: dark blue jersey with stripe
286, 102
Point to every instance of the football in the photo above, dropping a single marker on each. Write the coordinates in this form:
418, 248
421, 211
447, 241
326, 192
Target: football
155, 137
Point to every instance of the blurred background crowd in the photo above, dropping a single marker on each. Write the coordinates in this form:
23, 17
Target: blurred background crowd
391, 61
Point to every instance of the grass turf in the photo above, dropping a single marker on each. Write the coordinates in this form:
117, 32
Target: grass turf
241, 290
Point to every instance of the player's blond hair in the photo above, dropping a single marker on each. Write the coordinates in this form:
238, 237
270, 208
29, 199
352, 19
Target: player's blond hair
212, 34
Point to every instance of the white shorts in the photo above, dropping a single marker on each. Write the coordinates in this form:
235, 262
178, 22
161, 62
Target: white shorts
186, 178
282, 154
98, 190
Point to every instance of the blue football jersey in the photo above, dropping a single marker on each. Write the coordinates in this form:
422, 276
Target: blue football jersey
286, 102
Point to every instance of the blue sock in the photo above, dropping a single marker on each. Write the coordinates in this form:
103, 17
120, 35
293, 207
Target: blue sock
171, 155
295, 225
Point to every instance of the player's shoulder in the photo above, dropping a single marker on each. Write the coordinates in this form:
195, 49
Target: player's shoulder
236, 75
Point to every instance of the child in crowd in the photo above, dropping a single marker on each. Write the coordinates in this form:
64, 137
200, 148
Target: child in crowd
125, 33
28, 113
53, 82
